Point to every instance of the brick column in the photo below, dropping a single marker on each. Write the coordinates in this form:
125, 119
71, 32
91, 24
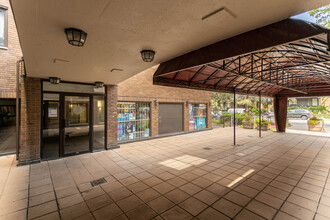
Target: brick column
280, 111
111, 116
185, 117
30, 117
154, 118
209, 115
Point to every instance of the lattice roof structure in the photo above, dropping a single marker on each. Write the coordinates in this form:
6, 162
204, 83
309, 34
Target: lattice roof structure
287, 58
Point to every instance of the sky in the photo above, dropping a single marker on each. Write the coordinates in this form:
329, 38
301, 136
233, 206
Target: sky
305, 16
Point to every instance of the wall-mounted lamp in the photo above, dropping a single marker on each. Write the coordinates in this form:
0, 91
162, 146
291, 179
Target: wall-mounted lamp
210, 104
147, 55
156, 101
76, 37
99, 84
54, 80
187, 103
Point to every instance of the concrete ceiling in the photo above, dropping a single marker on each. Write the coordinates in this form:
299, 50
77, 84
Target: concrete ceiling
119, 29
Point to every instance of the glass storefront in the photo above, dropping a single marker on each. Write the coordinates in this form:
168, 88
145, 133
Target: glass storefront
133, 120
197, 116
73, 119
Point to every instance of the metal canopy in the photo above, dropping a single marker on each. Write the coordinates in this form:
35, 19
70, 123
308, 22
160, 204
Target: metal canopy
287, 58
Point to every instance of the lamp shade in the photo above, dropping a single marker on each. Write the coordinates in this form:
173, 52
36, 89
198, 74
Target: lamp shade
147, 55
54, 80
76, 37
99, 84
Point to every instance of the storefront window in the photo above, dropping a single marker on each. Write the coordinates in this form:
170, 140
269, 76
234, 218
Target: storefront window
197, 116
133, 120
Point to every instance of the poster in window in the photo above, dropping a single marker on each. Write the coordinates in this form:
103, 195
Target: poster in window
52, 112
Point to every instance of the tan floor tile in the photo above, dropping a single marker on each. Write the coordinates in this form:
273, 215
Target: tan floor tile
50, 216
137, 187
87, 216
202, 182
324, 210
99, 202
18, 215
95, 192
248, 191
67, 191
165, 176
41, 190
129, 203
237, 198
297, 211
163, 187
36, 200
247, 215
218, 189
148, 195
190, 188
42, 209
303, 202
325, 200
119, 193
74, 211
69, 201
177, 196
129, 180
193, 206
188, 176
177, 181
283, 216
269, 200
261, 209
152, 181
160, 204
176, 213
142, 212
211, 213
120, 217
206, 197
306, 194
226, 207
281, 194
108, 212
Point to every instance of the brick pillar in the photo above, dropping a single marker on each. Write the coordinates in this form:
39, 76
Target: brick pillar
209, 116
185, 117
111, 115
280, 111
154, 118
30, 117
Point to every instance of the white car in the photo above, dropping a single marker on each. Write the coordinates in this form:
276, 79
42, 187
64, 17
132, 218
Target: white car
237, 110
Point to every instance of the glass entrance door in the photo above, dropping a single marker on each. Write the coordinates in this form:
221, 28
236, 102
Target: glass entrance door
76, 124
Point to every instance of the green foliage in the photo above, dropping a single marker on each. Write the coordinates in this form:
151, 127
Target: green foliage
247, 119
263, 122
322, 16
219, 99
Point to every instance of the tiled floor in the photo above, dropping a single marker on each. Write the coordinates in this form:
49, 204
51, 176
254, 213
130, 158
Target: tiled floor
279, 176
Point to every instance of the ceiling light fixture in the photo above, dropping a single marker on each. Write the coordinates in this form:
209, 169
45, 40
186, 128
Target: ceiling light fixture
54, 80
76, 37
99, 84
147, 55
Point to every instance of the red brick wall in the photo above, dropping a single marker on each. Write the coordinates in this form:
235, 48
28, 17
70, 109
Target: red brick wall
141, 88
30, 119
111, 114
9, 57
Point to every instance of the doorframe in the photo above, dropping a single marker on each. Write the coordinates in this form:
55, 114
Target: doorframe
61, 117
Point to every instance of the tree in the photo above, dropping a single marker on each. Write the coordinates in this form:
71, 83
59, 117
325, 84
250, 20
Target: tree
220, 99
322, 16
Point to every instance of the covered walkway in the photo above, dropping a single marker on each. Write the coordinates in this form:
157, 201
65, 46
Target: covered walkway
279, 176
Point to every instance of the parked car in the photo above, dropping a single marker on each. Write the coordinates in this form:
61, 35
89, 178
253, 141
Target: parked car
299, 113
237, 110
269, 114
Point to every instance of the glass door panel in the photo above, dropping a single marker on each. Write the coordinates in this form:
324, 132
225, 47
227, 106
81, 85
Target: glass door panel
76, 124
98, 122
50, 126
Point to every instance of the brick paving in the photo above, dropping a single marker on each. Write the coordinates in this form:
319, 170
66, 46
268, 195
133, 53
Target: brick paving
193, 176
